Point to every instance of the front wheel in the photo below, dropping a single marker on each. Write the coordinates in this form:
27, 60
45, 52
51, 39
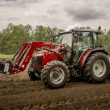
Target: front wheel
55, 74
97, 68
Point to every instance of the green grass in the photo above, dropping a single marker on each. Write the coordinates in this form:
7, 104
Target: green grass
3, 56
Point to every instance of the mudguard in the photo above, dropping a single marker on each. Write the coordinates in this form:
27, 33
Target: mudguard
87, 53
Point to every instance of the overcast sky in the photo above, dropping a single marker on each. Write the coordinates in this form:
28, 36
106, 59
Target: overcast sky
55, 13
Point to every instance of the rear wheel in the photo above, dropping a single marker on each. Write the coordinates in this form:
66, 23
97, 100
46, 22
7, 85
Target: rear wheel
55, 74
97, 68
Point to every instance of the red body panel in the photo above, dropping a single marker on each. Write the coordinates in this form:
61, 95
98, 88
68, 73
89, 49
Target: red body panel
50, 56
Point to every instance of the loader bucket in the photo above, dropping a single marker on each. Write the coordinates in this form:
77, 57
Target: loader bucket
2, 66
5, 67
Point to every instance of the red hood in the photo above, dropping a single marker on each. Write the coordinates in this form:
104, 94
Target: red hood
42, 52
39, 53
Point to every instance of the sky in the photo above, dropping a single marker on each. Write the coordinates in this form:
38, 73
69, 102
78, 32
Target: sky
55, 13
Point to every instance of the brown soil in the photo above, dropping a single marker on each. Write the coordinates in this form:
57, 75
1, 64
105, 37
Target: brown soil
19, 93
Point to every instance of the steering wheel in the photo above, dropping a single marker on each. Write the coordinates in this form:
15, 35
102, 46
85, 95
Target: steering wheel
66, 47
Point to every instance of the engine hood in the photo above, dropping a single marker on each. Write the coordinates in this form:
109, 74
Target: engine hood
40, 53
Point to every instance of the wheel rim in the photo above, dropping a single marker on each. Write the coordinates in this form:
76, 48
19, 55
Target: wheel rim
99, 68
57, 75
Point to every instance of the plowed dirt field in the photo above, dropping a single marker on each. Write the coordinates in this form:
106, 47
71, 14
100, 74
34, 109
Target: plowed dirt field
19, 93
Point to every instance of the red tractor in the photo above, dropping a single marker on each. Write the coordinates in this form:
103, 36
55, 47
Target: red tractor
76, 53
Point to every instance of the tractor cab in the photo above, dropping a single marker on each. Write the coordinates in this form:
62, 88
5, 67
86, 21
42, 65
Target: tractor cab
78, 41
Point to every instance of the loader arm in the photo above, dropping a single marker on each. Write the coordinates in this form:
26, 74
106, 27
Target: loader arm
22, 57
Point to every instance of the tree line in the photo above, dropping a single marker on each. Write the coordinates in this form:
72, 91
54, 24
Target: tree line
105, 39
12, 37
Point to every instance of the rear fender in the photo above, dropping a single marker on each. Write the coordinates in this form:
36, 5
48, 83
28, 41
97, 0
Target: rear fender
87, 53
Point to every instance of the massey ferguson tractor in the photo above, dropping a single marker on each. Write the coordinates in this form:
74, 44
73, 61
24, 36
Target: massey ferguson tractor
75, 53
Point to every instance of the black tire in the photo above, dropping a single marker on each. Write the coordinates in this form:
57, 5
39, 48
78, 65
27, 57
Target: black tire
92, 65
33, 76
109, 72
50, 70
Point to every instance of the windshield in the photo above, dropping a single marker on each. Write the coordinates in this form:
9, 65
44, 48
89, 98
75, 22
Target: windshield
66, 39
82, 39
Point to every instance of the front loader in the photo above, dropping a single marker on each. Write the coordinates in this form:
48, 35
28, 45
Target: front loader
75, 53
22, 57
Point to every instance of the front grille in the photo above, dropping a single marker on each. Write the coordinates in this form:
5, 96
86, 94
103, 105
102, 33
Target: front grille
37, 60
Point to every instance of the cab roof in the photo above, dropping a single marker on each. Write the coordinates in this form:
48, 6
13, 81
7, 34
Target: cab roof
81, 30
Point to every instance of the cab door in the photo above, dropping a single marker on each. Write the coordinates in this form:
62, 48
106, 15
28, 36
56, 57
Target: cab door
81, 44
